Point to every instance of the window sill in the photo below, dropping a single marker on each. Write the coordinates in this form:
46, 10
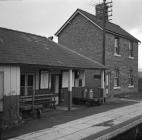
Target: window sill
116, 87
115, 54
130, 86
130, 57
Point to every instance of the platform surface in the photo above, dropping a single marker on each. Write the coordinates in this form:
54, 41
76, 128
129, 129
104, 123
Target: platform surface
100, 126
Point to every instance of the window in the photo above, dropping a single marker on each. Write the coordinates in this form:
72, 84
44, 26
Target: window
116, 78
65, 79
131, 78
44, 80
116, 46
30, 80
27, 83
22, 80
80, 82
131, 55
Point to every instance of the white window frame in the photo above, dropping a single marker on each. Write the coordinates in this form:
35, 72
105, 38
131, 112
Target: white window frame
131, 50
117, 78
131, 78
116, 47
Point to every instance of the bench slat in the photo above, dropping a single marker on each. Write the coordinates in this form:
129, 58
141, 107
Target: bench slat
26, 102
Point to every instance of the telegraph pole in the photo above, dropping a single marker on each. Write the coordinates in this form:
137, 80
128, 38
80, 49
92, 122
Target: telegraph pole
106, 11
104, 29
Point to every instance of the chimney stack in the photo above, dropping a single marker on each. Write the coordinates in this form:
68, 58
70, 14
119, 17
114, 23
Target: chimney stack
99, 11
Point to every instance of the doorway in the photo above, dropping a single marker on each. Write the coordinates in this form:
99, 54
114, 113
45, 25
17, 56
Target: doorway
1, 90
107, 85
27, 84
55, 85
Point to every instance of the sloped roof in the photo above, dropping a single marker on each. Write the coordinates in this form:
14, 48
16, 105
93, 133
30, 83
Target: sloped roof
110, 27
24, 48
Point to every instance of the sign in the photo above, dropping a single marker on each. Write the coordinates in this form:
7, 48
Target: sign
97, 76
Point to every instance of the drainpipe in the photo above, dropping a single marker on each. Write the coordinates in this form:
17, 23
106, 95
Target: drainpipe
70, 90
103, 82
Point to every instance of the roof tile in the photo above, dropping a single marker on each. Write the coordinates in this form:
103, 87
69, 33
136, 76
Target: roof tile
24, 48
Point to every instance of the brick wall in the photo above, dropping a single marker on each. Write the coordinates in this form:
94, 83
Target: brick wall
123, 62
84, 37
81, 36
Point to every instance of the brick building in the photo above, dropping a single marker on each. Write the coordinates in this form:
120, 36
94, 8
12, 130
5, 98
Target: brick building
83, 33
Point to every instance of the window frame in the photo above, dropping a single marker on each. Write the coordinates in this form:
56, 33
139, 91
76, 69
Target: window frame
131, 50
131, 78
117, 46
44, 71
117, 78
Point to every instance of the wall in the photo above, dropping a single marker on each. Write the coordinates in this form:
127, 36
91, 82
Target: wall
65, 78
82, 77
140, 84
11, 94
75, 81
11, 80
85, 38
123, 62
75, 85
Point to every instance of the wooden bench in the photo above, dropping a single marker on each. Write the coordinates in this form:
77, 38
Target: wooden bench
36, 102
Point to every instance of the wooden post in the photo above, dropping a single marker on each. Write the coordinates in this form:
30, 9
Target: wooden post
33, 100
0, 125
70, 90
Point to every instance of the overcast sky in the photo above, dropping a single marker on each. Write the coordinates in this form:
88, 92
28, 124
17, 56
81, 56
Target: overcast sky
45, 17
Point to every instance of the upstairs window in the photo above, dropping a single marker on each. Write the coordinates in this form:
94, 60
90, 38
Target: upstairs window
131, 53
116, 46
116, 78
131, 78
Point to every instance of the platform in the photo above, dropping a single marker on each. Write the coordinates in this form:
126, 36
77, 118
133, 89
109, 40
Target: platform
104, 125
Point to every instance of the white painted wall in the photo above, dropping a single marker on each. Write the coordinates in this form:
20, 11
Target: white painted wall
11, 80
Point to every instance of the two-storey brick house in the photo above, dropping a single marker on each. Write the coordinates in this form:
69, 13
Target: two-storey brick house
83, 33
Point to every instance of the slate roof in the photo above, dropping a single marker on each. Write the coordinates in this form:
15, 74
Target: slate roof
110, 27
24, 48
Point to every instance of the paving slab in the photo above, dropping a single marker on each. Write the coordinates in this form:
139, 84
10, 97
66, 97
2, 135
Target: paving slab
87, 126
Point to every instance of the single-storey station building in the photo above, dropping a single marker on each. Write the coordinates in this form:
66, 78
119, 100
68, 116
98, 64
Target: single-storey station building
32, 65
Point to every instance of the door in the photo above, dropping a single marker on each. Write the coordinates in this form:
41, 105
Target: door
107, 85
55, 83
55, 86
27, 83
30, 84
1, 90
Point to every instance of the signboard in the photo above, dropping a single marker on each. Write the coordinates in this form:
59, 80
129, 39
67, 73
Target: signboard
97, 76
1, 90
